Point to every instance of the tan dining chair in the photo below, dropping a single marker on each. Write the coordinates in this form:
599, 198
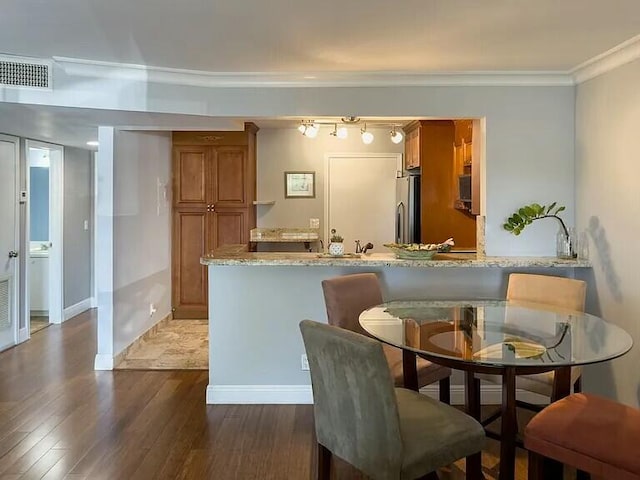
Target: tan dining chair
559, 292
385, 432
347, 296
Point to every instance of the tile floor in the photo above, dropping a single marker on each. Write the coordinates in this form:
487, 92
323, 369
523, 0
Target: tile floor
38, 323
176, 345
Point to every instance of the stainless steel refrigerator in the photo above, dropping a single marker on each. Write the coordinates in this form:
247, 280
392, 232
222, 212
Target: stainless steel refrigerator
408, 209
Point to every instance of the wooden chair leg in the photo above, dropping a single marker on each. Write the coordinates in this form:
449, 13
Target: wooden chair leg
324, 463
445, 390
474, 467
536, 466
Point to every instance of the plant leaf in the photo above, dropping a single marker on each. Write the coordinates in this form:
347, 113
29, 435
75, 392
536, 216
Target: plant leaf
508, 227
559, 209
529, 211
551, 207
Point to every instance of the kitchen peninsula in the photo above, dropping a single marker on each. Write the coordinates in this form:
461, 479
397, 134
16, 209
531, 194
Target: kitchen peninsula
257, 299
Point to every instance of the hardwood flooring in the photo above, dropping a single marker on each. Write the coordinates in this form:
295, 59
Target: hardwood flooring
59, 419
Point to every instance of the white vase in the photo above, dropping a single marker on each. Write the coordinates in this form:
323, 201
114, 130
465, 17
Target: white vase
336, 248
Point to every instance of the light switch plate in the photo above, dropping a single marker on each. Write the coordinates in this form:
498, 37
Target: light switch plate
314, 223
86, 224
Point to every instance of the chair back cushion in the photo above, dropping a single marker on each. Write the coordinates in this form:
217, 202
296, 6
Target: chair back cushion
346, 297
355, 410
556, 291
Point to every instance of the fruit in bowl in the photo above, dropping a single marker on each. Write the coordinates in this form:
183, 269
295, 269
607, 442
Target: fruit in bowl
419, 251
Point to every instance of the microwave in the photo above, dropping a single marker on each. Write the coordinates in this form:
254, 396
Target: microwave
464, 188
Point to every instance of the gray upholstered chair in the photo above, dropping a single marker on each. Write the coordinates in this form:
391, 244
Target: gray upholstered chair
385, 432
346, 297
557, 292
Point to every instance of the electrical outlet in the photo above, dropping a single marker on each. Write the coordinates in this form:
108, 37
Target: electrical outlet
304, 361
152, 309
86, 224
314, 223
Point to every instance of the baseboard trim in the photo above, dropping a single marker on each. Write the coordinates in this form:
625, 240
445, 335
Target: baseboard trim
94, 302
259, 394
103, 362
117, 360
302, 394
77, 309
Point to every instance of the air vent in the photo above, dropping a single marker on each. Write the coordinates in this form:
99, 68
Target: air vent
5, 319
24, 72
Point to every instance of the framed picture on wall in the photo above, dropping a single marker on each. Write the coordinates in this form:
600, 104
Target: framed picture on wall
299, 184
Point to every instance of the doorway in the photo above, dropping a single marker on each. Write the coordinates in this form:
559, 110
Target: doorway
366, 183
44, 288
9, 241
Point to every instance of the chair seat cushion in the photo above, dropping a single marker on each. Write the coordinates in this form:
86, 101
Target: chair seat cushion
541, 383
591, 433
434, 434
428, 372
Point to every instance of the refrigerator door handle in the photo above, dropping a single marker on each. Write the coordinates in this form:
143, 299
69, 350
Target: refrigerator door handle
400, 223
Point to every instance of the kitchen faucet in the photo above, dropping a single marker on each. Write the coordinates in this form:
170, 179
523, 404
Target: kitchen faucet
361, 249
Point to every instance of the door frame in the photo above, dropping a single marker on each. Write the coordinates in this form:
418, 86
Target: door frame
327, 176
56, 229
14, 284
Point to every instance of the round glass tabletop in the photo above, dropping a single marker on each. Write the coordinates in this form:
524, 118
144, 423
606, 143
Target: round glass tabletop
496, 332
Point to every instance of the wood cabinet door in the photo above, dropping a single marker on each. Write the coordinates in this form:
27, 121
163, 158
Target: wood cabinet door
227, 227
191, 167
412, 149
190, 296
229, 177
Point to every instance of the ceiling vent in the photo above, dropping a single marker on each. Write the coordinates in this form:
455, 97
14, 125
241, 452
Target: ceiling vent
25, 72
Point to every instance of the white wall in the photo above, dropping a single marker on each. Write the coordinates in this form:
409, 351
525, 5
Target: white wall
608, 200
133, 233
142, 234
285, 149
78, 194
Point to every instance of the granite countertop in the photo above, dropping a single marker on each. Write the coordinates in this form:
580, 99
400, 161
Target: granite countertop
284, 235
239, 255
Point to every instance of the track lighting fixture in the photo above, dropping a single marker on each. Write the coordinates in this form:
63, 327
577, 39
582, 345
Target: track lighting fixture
310, 128
367, 137
396, 135
339, 132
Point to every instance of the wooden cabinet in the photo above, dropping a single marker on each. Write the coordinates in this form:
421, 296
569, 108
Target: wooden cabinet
412, 146
463, 161
439, 219
214, 185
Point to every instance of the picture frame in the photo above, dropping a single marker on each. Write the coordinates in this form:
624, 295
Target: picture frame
299, 184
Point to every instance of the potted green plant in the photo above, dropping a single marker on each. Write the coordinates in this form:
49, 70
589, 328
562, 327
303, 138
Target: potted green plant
336, 247
565, 240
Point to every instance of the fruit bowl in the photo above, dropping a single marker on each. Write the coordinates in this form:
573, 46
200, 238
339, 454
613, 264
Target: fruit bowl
418, 251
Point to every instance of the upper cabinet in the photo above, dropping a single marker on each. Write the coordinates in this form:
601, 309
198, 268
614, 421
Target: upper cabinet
412, 146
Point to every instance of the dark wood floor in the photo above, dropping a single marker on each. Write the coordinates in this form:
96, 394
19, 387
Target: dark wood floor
59, 419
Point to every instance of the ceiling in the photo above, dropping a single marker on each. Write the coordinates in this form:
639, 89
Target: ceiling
311, 36
285, 36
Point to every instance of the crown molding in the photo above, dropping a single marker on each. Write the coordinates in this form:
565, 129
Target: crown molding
615, 57
198, 78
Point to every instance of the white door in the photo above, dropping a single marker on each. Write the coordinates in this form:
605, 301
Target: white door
8, 242
361, 203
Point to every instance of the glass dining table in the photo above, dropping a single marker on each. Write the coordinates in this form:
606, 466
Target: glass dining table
497, 337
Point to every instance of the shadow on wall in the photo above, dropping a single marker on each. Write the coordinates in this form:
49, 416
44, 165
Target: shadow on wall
603, 250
